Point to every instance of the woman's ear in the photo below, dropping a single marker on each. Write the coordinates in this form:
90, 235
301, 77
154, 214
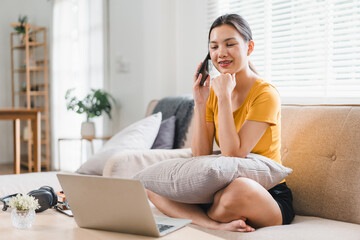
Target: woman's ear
250, 47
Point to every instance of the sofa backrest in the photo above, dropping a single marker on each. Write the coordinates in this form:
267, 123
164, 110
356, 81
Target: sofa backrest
322, 145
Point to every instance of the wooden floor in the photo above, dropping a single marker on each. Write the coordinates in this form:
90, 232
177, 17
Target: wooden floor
6, 168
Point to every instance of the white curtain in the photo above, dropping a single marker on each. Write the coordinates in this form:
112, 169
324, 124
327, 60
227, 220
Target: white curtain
77, 62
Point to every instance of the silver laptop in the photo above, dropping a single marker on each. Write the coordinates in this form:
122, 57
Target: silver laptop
114, 204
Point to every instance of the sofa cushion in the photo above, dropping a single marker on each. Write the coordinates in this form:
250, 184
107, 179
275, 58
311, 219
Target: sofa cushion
150, 108
321, 145
166, 136
195, 180
138, 136
182, 107
302, 227
127, 164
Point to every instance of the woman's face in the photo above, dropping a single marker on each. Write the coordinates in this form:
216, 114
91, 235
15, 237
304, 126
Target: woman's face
228, 50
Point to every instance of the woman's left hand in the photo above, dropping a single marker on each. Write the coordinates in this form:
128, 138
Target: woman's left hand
223, 85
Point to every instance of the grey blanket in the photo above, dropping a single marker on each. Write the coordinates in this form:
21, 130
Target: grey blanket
182, 107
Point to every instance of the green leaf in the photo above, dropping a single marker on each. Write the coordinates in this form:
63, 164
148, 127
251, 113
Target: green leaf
94, 103
22, 21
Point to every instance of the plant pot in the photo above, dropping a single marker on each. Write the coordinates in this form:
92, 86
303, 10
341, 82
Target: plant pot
22, 38
22, 219
87, 130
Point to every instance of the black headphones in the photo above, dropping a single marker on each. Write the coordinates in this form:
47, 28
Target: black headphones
46, 196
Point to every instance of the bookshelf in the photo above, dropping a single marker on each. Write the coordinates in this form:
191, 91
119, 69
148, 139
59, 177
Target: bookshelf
30, 89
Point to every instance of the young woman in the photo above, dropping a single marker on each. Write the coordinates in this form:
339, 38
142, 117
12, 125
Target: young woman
242, 112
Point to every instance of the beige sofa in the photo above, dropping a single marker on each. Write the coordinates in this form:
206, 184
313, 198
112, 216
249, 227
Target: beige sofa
320, 143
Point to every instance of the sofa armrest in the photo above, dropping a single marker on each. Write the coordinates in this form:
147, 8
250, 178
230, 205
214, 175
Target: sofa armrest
126, 164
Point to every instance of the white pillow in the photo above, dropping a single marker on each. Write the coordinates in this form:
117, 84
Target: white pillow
138, 136
197, 179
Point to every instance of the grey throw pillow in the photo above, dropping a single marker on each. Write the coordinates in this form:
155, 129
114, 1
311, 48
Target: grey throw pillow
166, 136
197, 179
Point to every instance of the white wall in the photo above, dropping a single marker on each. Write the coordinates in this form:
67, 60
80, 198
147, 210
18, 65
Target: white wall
191, 41
126, 35
39, 13
163, 41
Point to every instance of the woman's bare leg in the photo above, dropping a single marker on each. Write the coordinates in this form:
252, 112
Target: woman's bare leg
196, 214
245, 199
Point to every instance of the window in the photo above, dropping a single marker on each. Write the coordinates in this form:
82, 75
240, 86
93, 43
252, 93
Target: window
310, 49
78, 54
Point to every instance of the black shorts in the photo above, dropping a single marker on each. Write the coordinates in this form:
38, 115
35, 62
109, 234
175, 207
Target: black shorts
283, 196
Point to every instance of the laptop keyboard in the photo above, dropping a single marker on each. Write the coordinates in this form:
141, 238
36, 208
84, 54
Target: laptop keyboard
163, 227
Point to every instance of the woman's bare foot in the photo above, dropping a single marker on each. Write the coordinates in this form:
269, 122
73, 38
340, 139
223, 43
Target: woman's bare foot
236, 226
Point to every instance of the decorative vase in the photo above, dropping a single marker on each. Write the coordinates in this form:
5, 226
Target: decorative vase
87, 130
22, 38
22, 219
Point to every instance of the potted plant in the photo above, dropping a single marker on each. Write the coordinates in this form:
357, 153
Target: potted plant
93, 105
23, 213
20, 28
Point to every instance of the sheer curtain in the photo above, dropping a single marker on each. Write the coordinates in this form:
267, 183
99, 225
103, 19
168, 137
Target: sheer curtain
77, 62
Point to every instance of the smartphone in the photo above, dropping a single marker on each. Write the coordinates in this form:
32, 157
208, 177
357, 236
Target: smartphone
204, 70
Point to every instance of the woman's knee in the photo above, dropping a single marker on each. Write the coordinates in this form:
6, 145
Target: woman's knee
230, 202
245, 198
239, 193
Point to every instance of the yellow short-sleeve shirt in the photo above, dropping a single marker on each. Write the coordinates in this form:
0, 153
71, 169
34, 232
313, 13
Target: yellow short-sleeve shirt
262, 104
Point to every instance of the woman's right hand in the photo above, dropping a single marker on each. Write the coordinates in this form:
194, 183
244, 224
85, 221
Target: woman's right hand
200, 93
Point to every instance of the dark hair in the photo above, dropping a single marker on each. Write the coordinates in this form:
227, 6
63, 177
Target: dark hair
237, 22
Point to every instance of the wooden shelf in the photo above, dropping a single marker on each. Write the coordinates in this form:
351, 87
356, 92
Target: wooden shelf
35, 51
32, 69
25, 163
28, 26
38, 85
43, 141
32, 93
39, 62
40, 109
31, 44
